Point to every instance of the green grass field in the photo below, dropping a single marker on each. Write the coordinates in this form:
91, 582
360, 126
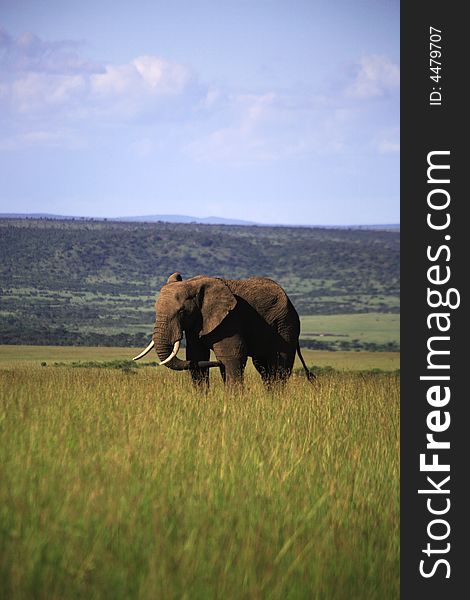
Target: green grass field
368, 327
378, 328
11, 356
131, 485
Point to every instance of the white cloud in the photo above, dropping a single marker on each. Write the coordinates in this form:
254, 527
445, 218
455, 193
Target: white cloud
240, 142
145, 75
115, 80
38, 91
211, 98
51, 79
52, 96
376, 76
269, 127
162, 76
29, 53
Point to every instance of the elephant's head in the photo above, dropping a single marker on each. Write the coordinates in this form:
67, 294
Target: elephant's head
197, 306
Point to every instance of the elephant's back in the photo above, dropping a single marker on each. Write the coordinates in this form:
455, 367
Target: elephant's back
259, 291
268, 299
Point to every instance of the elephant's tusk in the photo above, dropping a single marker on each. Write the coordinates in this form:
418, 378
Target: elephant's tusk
176, 347
146, 351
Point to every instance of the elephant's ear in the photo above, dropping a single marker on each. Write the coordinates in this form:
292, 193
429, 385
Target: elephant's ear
175, 277
215, 300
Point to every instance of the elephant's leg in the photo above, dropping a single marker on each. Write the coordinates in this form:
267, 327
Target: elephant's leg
233, 370
200, 376
195, 351
231, 351
222, 373
284, 366
265, 367
274, 369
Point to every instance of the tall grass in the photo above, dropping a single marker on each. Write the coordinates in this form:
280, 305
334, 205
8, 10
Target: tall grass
132, 485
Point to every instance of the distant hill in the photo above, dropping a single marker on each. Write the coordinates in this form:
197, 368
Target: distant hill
94, 282
135, 219
189, 219
183, 219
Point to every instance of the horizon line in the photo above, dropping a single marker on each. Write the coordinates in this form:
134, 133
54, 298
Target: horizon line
161, 217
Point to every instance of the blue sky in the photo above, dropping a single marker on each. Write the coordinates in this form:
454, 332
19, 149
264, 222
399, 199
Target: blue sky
271, 111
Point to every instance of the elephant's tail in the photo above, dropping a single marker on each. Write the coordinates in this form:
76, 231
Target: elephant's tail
310, 376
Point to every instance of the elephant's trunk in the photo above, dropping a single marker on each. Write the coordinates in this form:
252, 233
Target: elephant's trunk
165, 349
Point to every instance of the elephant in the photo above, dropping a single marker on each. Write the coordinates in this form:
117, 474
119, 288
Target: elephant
234, 318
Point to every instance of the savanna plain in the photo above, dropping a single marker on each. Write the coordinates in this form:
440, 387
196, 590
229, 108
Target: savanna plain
126, 483
119, 480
